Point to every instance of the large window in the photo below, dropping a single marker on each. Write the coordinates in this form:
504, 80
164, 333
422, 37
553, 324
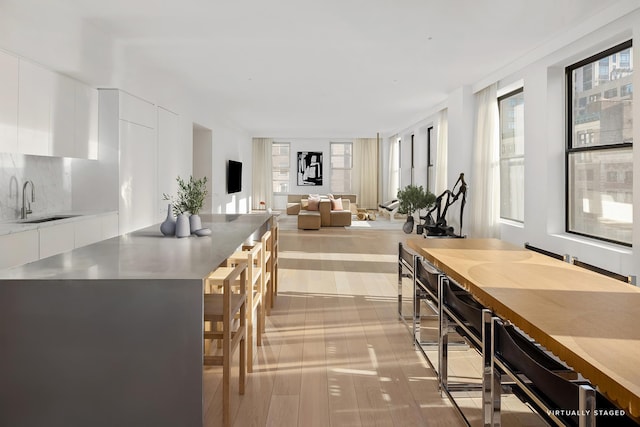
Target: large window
512, 155
341, 166
599, 149
280, 161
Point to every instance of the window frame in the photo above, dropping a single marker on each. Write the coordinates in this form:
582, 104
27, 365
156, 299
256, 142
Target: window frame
501, 98
350, 169
288, 168
569, 149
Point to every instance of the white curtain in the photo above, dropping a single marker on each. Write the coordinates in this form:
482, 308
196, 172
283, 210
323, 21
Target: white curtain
484, 188
365, 170
261, 188
393, 183
441, 154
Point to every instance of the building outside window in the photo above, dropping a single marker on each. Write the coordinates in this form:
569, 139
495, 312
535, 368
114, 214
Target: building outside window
599, 154
280, 166
511, 108
341, 167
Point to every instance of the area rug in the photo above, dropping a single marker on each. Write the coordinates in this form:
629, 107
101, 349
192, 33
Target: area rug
378, 224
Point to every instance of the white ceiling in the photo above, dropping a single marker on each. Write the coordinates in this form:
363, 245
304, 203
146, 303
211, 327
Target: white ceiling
297, 67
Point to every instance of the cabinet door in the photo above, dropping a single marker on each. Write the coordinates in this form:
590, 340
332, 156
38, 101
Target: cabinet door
56, 239
86, 122
63, 104
169, 164
34, 93
109, 226
8, 103
18, 248
138, 189
137, 110
87, 231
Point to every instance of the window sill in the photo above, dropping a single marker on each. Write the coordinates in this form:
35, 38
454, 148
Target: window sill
623, 250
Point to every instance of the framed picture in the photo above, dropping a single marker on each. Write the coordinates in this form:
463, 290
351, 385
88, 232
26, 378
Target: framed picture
309, 168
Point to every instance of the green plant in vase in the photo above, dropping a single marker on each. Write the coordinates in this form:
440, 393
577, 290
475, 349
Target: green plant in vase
413, 198
189, 199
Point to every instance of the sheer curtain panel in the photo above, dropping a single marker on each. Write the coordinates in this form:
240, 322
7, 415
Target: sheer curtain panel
484, 203
393, 183
261, 190
365, 166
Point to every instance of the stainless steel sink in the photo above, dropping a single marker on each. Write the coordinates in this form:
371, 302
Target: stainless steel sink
47, 219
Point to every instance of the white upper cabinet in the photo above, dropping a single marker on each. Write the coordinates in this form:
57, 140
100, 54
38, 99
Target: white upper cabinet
8, 103
86, 122
34, 109
63, 105
45, 113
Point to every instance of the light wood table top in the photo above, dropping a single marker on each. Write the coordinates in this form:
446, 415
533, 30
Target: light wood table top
590, 321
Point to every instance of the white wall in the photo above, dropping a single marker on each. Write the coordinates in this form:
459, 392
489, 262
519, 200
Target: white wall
322, 145
544, 91
230, 144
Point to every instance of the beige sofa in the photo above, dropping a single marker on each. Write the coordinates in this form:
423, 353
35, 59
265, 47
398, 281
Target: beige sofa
324, 216
296, 202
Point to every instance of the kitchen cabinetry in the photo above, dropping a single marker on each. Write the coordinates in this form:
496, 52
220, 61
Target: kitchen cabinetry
56, 239
137, 110
22, 247
86, 122
128, 127
45, 113
169, 164
35, 86
19, 248
138, 171
63, 105
87, 231
109, 226
8, 103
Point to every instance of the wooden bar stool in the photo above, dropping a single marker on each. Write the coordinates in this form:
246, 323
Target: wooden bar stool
275, 238
224, 307
252, 256
267, 268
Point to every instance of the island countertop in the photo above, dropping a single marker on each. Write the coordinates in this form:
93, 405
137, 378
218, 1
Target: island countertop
111, 333
147, 254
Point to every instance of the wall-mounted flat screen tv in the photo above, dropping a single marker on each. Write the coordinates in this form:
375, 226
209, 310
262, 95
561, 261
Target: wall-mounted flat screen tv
234, 177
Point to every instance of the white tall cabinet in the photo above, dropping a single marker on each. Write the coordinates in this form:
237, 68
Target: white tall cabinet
170, 161
128, 128
8, 103
145, 138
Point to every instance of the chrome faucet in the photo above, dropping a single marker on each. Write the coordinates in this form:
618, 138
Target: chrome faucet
26, 206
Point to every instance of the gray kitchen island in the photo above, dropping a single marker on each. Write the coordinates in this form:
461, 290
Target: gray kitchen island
111, 334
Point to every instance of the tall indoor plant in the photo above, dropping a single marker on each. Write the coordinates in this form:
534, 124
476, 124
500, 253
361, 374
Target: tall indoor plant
413, 198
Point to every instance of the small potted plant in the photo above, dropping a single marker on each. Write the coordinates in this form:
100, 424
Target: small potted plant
413, 198
190, 199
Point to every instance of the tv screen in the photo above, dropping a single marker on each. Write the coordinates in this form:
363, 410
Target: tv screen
234, 177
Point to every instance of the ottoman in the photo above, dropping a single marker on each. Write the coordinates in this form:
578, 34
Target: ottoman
309, 220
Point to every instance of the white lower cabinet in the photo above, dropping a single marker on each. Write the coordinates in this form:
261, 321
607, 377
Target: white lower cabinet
56, 239
87, 231
19, 248
109, 226
27, 246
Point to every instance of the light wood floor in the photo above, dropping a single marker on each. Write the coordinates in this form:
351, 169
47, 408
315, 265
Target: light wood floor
334, 352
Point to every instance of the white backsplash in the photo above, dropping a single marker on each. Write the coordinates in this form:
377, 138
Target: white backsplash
51, 177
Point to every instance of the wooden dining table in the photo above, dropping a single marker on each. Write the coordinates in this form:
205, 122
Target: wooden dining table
590, 321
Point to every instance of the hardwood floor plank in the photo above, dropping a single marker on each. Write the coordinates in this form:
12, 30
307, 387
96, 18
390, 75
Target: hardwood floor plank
334, 353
